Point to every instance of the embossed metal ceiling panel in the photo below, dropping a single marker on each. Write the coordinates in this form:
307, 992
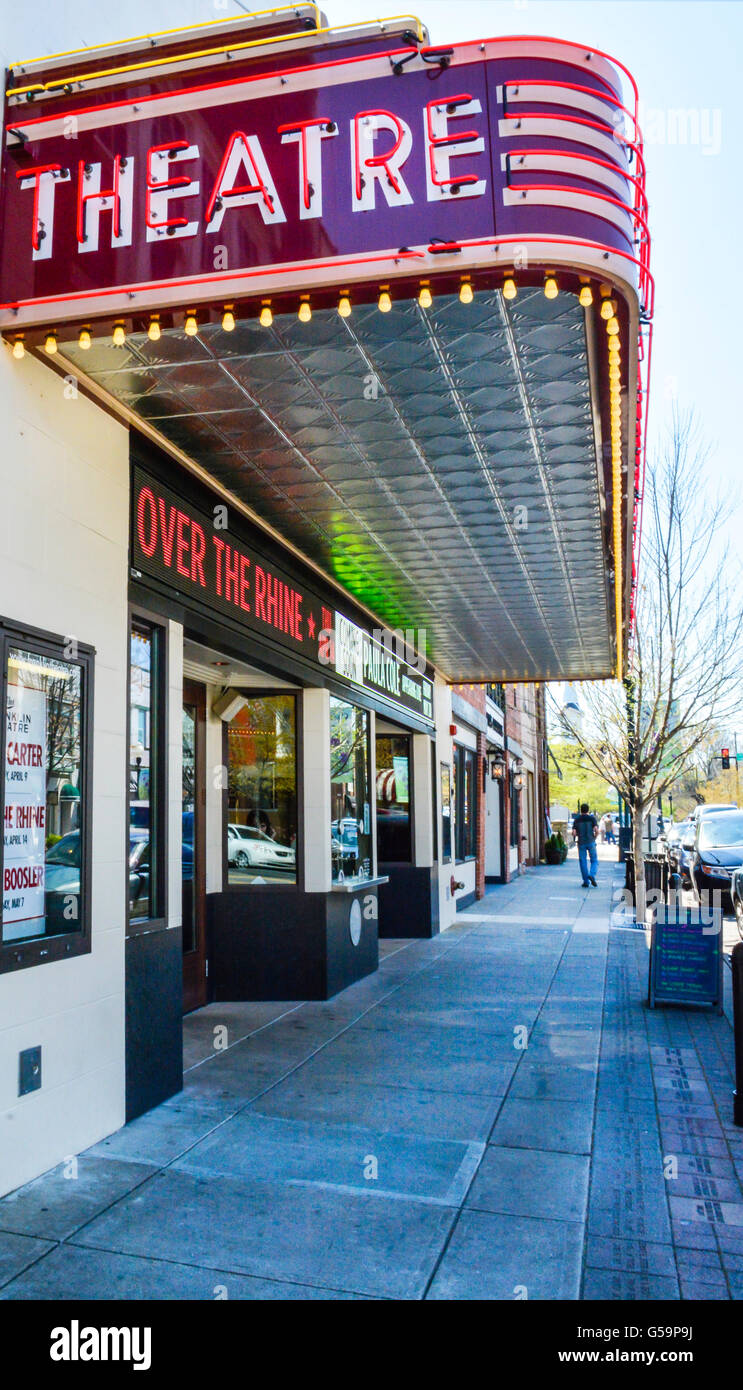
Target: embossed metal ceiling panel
440, 464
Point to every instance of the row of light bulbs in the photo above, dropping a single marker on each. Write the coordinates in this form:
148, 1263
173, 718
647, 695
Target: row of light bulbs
304, 313
608, 309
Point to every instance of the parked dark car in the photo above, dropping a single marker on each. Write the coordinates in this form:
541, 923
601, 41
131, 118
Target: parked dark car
709, 809
736, 893
718, 852
62, 877
676, 854
344, 844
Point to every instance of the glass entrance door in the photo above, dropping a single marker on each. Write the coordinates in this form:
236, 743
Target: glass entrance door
193, 846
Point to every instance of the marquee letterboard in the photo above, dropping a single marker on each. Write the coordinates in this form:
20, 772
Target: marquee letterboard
686, 957
189, 550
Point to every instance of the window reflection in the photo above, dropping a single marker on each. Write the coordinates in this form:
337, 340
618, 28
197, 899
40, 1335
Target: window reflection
42, 831
140, 669
393, 799
189, 734
144, 816
464, 802
350, 825
262, 792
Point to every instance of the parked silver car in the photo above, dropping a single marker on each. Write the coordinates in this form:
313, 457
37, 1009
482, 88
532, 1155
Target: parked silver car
249, 847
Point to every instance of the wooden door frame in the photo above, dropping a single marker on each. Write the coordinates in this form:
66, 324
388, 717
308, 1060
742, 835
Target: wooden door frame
195, 962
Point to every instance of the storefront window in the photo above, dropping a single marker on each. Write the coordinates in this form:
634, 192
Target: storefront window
44, 865
446, 813
465, 808
261, 826
394, 843
350, 810
515, 807
145, 773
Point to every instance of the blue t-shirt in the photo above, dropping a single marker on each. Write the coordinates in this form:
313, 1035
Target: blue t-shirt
584, 827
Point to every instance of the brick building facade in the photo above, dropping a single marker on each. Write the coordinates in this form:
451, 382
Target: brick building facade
504, 726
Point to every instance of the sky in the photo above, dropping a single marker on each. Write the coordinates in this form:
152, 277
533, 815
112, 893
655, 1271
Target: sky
685, 57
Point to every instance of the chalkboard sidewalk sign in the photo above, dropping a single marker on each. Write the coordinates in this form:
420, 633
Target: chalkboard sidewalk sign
686, 957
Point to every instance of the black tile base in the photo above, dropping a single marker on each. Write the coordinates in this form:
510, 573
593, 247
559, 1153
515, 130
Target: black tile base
154, 1019
275, 944
409, 903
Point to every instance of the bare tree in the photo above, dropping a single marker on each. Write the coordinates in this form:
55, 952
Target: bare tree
683, 676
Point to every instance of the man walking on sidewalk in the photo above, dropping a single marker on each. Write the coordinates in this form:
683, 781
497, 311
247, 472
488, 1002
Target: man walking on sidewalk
585, 830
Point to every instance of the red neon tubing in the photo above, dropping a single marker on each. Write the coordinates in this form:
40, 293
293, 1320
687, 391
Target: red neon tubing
83, 198
573, 87
578, 120
438, 141
584, 193
300, 128
589, 158
35, 174
338, 62
375, 161
292, 268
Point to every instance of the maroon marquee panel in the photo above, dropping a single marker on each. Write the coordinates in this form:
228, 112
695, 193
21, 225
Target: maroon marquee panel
352, 168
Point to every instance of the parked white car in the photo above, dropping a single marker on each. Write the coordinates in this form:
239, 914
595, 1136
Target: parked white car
248, 847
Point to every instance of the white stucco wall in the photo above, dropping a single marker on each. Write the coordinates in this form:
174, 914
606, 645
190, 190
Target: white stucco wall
316, 795
63, 568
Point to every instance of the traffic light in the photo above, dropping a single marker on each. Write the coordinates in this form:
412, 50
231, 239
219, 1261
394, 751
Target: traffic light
726, 757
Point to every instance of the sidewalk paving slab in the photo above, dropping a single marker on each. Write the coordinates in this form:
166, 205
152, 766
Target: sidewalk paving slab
494, 1114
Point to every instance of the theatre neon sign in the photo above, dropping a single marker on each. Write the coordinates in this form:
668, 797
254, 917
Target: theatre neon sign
175, 174
352, 170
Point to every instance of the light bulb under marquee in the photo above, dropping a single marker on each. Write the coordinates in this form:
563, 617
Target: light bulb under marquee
425, 298
384, 303
153, 332
550, 287
304, 312
612, 327
266, 316
19, 350
228, 321
191, 325
50, 345
585, 298
608, 309
466, 294
344, 306
84, 339
118, 337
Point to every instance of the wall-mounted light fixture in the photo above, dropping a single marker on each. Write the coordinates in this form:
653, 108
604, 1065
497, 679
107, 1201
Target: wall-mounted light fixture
497, 760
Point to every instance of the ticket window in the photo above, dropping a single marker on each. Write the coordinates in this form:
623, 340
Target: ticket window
350, 809
393, 795
261, 827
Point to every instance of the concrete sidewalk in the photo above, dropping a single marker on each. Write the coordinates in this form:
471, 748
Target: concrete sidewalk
401, 1141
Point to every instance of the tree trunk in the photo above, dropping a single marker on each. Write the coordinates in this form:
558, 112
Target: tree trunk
639, 862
